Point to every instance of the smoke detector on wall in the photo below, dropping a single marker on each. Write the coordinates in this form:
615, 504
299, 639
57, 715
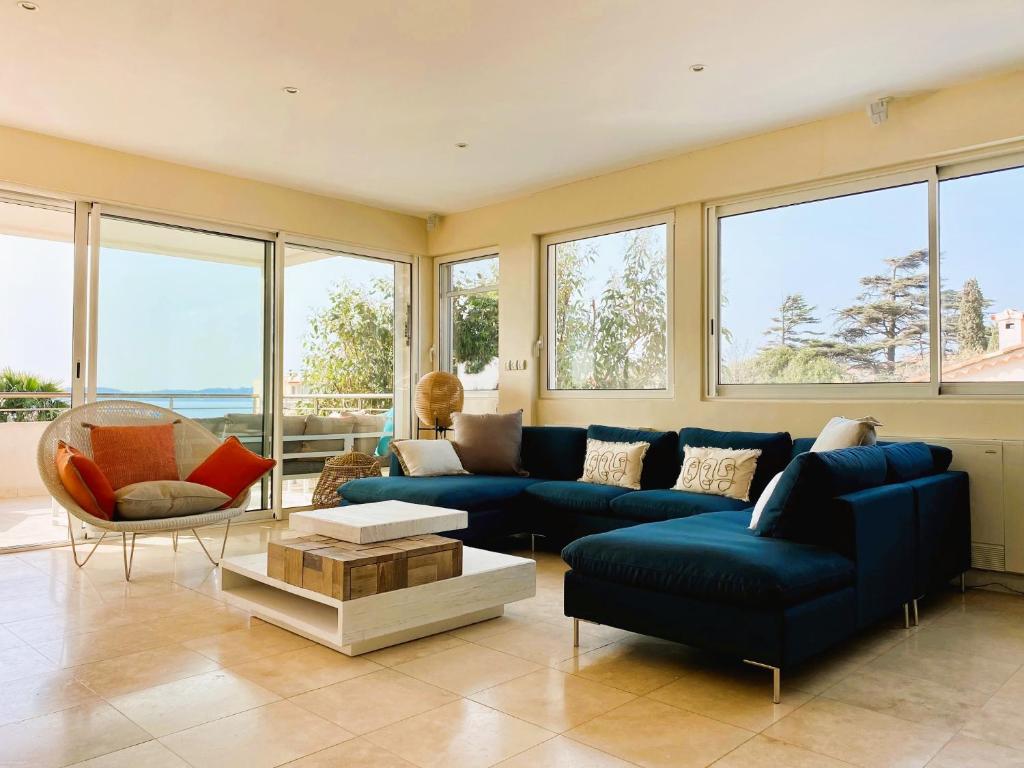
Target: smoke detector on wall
878, 110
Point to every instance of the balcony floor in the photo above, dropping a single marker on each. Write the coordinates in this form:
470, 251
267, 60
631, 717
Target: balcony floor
31, 521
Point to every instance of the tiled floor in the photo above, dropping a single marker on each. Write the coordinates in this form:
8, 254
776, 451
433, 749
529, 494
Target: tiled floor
162, 674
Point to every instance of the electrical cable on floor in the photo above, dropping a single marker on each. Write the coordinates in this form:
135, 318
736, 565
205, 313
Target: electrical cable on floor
1007, 587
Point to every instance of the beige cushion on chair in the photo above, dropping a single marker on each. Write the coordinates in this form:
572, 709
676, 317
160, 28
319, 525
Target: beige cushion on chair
156, 499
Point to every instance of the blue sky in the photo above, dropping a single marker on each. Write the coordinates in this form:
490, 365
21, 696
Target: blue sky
821, 249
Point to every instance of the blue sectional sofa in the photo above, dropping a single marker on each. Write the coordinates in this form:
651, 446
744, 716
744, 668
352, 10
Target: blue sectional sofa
876, 529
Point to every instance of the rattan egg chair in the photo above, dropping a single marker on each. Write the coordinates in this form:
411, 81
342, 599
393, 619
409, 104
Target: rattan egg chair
192, 444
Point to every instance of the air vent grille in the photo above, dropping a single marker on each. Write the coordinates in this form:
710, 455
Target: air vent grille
988, 557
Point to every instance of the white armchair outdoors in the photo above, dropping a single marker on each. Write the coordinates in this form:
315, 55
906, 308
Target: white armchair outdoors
192, 443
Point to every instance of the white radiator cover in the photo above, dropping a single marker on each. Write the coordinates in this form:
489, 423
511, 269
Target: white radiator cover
996, 468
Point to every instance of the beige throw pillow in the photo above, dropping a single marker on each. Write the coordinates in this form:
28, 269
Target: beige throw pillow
427, 458
841, 432
618, 464
155, 499
489, 443
718, 471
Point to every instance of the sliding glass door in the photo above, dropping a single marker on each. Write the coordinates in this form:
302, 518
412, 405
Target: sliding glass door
37, 361
181, 322
347, 357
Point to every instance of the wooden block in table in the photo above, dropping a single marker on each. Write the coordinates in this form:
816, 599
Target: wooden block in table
285, 558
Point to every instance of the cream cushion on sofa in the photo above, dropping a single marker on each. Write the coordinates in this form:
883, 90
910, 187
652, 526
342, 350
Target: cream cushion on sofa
344, 424
155, 499
427, 458
368, 422
841, 432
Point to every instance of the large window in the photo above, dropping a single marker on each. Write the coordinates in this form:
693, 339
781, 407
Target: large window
608, 321
826, 292
980, 218
469, 321
839, 289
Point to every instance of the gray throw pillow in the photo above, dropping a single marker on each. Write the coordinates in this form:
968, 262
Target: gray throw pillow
155, 499
489, 443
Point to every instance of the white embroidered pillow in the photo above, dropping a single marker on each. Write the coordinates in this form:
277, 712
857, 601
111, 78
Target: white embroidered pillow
618, 464
718, 471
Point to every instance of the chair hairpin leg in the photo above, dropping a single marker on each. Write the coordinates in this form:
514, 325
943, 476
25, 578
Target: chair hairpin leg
223, 545
74, 549
128, 559
174, 540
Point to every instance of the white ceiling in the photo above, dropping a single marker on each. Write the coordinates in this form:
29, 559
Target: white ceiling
544, 91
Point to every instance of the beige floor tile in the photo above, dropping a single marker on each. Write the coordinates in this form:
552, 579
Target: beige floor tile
552, 699
491, 627
859, 736
242, 645
542, 642
653, 734
762, 752
357, 753
462, 734
999, 722
637, 667
69, 736
145, 669
23, 661
996, 640
467, 669
373, 701
293, 672
965, 752
150, 754
415, 649
175, 706
559, 752
107, 643
193, 625
258, 738
48, 629
740, 696
819, 674
962, 670
41, 694
910, 698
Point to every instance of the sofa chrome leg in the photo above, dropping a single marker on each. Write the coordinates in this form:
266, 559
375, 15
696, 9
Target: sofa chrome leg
963, 582
575, 633
917, 618
533, 542
906, 615
776, 678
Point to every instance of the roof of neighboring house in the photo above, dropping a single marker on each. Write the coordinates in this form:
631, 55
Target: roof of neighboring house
986, 361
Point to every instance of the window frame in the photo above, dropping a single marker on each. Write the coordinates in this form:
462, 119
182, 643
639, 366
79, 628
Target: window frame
546, 348
441, 352
931, 174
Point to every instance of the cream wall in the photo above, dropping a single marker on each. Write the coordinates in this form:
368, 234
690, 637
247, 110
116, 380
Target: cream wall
46, 164
927, 126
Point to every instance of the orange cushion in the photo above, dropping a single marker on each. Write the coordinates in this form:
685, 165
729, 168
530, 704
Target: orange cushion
84, 482
129, 455
231, 469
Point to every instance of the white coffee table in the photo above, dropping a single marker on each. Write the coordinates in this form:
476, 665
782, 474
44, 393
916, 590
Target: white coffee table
489, 580
380, 521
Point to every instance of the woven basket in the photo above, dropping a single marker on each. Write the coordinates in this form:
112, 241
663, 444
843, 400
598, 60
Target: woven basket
339, 470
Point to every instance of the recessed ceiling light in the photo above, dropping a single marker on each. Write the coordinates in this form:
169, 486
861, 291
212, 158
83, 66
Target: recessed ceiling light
696, 67
290, 89
461, 145
25, 5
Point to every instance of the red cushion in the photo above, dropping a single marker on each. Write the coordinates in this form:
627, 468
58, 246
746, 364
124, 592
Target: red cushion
231, 469
136, 454
84, 482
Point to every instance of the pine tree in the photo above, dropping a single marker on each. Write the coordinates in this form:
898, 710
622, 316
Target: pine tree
971, 331
891, 314
787, 328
